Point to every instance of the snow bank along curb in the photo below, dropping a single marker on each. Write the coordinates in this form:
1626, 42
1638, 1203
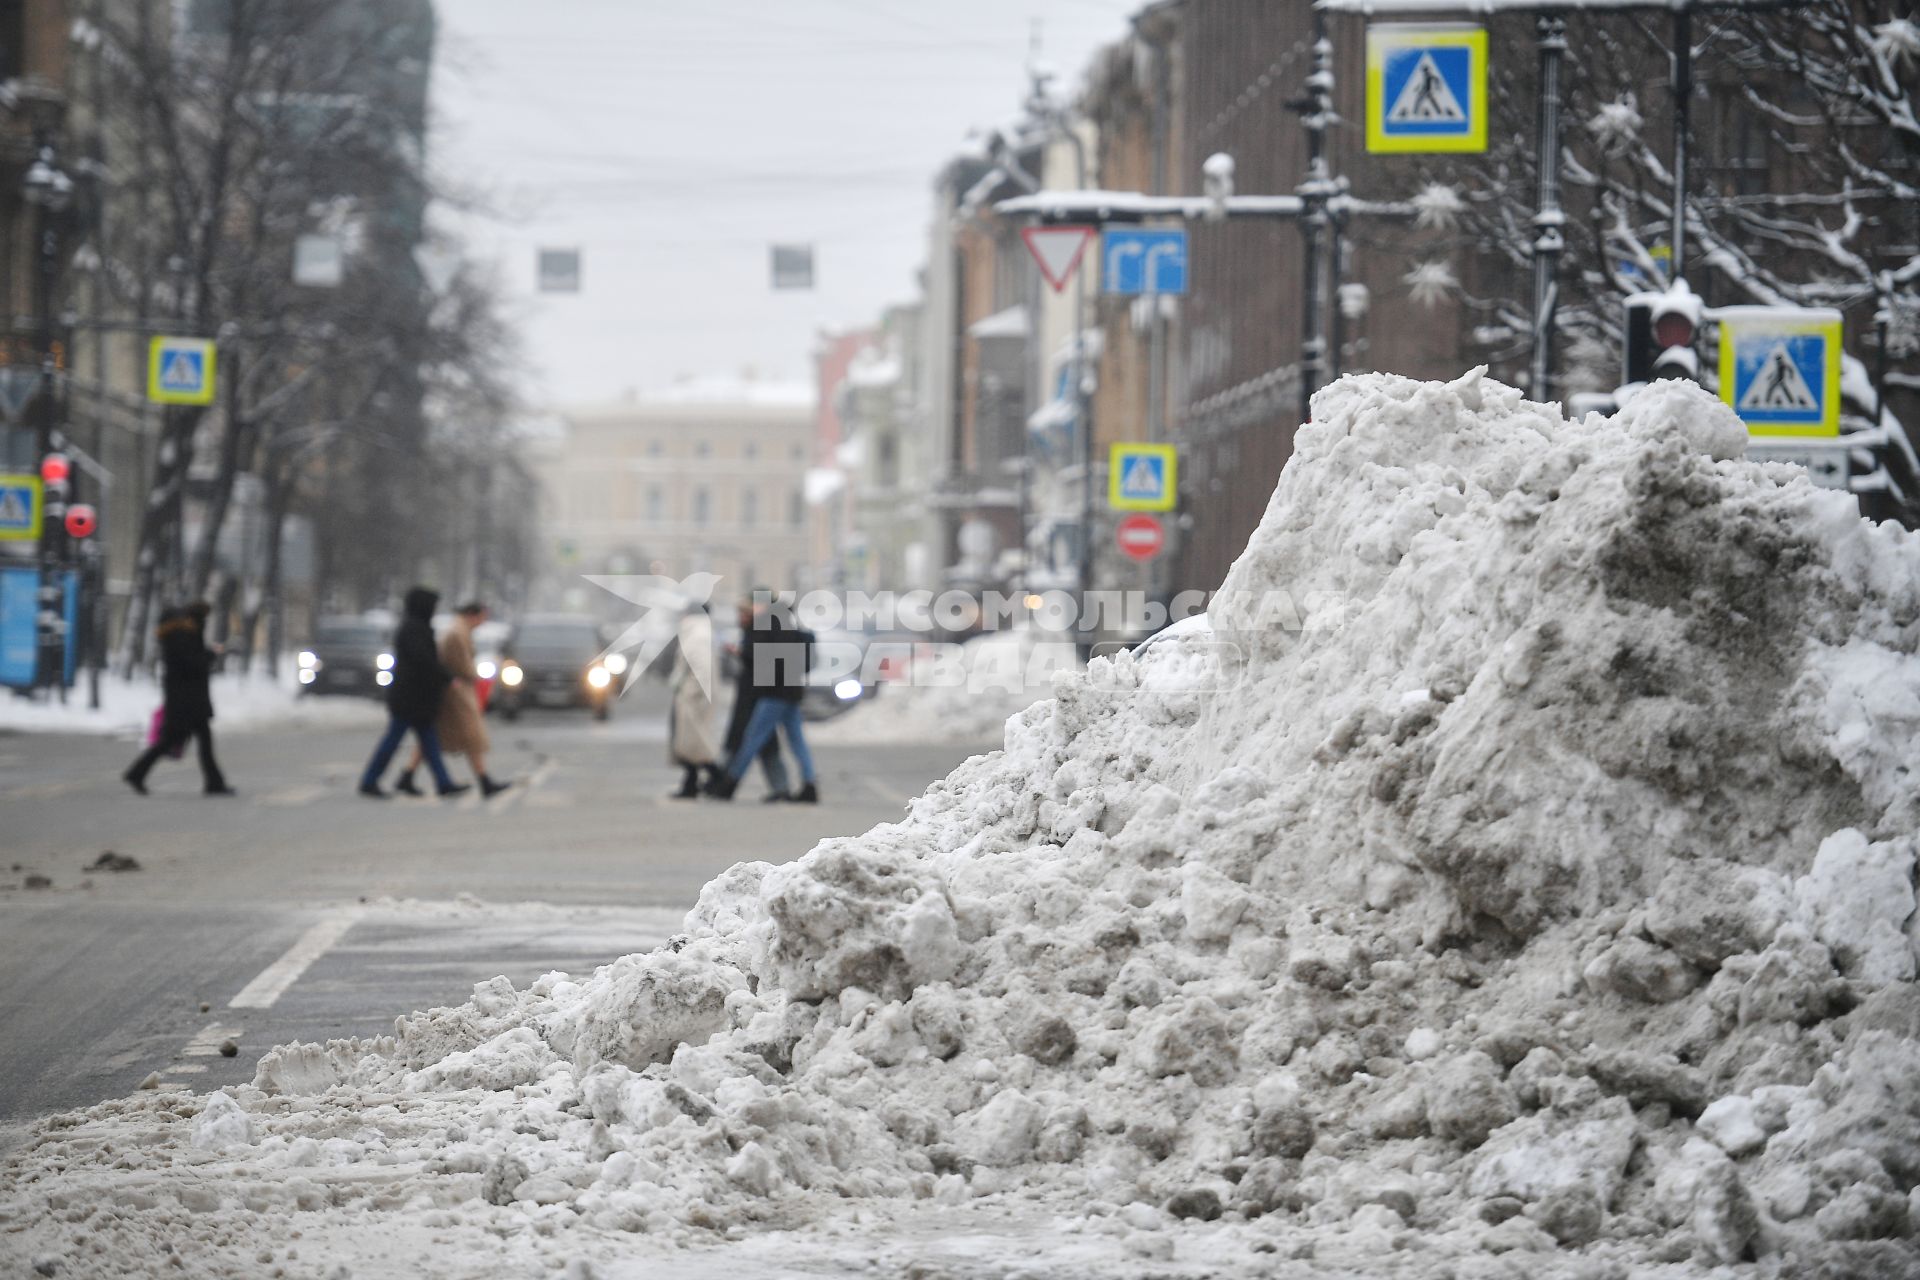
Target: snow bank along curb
1549, 913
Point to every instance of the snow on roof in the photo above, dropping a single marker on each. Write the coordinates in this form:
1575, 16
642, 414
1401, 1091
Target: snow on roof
871, 369
1011, 323
732, 390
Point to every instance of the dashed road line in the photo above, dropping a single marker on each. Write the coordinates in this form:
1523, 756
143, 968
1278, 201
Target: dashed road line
207, 1042
272, 982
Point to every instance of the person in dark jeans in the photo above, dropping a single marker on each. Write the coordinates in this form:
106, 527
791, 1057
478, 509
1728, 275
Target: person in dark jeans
186, 700
745, 698
413, 699
782, 654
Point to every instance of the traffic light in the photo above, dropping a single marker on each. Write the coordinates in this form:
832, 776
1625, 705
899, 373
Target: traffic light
81, 521
1660, 330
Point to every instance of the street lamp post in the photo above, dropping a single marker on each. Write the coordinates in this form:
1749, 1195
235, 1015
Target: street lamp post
49, 190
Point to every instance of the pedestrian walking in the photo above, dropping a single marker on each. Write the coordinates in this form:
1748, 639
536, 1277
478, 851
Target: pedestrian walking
461, 724
781, 653
413, 699
186, 698
745, 697
691, 741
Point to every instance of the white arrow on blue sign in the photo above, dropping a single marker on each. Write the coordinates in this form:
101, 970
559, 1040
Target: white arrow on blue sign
1137, 260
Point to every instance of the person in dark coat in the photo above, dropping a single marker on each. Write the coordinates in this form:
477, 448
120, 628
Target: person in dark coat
782, 656
420, 682
745, 696
186, 699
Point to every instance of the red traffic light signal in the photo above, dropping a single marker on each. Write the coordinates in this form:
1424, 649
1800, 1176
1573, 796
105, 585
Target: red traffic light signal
81, 521
54, 468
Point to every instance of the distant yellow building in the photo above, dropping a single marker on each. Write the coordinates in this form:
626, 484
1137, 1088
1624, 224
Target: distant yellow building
706, 476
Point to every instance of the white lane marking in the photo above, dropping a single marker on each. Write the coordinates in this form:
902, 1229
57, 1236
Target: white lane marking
272, 982
295, 797
184, 1069
887, 794
207, 1043
516, 795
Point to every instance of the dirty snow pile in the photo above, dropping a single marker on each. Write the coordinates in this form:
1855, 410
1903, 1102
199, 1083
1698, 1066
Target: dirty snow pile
964, 695
1537, 903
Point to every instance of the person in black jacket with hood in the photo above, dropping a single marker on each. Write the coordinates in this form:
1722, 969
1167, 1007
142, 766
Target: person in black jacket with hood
413, 699
186, 701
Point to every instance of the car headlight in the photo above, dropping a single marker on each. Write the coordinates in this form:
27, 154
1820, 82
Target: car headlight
616, 663
384, 662
309, 660
383, 677
485, 669
598, 676
511, 675
847, 690
307, 675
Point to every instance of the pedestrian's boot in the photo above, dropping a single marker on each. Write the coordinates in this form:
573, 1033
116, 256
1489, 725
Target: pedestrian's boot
721, 786
372, 791
489, 788
457, 789
133, 780
689, 784
808, 794
404, 784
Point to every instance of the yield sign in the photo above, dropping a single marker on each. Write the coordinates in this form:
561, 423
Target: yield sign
1058, 249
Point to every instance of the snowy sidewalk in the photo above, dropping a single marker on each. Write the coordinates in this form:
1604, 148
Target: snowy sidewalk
126, 707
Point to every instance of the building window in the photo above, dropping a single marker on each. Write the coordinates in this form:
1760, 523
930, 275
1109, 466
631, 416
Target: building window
749, 507
799, 452
796, 509
701, 505
751, 451
655, 448
656, 504
704, 449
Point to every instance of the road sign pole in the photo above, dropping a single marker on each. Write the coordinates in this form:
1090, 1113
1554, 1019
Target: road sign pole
1548, 219
1317, 107
1682, 119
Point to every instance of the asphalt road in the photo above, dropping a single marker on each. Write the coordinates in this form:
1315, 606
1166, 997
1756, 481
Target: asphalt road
300, 911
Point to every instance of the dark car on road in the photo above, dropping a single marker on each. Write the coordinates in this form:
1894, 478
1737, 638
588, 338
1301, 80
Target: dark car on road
555, 660
351, 655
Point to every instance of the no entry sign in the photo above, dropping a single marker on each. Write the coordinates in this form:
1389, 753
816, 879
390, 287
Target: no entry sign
1140, 537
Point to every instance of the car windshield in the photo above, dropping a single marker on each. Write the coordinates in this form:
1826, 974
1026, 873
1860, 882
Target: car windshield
350, 635
556, 640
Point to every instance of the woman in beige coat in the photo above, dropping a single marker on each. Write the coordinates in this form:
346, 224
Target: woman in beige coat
693, 743
461, 728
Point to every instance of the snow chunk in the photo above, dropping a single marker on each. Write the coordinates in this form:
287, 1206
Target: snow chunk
222, 1123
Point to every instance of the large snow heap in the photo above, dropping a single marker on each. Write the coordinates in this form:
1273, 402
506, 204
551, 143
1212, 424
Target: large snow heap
1522, 864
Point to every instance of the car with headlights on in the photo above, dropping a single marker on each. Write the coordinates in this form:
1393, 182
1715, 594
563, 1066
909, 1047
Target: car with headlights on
557, 660
348, 654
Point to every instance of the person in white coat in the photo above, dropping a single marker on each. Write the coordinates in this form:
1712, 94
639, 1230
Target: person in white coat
692, 740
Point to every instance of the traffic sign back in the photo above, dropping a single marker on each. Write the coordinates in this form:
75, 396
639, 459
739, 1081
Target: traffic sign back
20, 508
1142, 477
1426, 88
180, 371
1780, 369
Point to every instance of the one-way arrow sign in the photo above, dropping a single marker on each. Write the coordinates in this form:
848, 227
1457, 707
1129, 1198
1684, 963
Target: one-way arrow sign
1058, 250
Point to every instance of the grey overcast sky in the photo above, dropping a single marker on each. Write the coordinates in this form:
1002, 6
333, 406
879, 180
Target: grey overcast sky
674, 141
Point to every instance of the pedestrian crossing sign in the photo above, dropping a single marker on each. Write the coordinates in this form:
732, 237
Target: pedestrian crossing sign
1142, 477
1780, 369
1426, 87
180, 371
19, 508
